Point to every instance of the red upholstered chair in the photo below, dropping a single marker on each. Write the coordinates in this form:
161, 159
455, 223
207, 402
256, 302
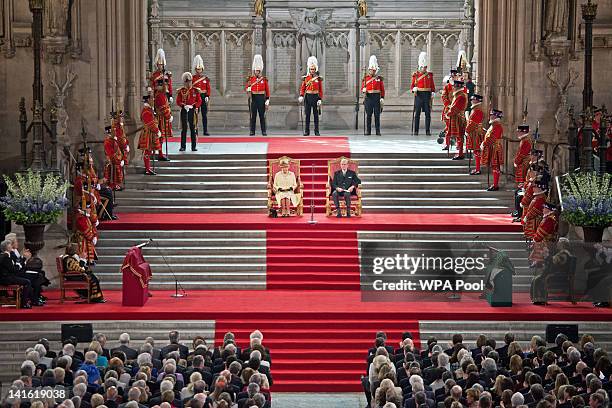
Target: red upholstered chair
71, 284
10, 295
273, 168
332, 167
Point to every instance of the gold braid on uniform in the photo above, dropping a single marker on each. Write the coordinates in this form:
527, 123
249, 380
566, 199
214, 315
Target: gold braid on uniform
73, 265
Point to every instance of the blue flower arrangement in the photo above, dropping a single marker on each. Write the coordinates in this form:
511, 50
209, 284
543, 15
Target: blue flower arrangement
587, 199
34, 199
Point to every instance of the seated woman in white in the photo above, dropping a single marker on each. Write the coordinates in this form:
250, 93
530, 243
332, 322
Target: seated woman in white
284, 187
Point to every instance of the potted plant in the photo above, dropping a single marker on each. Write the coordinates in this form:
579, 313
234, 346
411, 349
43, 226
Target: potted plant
34, 200
587, 203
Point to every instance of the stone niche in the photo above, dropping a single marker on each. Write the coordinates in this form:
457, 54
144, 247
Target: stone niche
288, 32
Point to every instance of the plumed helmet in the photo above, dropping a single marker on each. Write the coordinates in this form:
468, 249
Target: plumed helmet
258, 64
423, 59
160, 58
373, 64
198, 63
187, 76
312, 62
462, 62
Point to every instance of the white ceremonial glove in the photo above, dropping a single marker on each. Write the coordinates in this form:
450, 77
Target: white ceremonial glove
127, 148
249, 89
300, 99
97, 223
482, 146
206, 99
159, 133
122, 163
95, 240
267, 102
382, 101
514, 164
415, 89
363, 90
319, 102
171, 99
171, 118
188, 107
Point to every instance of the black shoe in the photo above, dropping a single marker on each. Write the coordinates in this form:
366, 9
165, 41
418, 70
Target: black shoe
514, 214
193, 149
348, 215
163, 158
98, 301
264, 134
428, 133
37, 303
307, 133
493, 188
150, 173
251, 133
378, 134
601, 304
317, 133
457, 157
416, 133
114, 217
182, 149
206, 134
475, 172
368, 133
339, 215
445, 148
26, 306
539, 303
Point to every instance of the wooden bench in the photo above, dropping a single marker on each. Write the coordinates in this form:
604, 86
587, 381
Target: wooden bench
15, 299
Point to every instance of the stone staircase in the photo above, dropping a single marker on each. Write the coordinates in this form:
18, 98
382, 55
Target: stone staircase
392, 183
16, 337
426, 183
198, 259
418, 242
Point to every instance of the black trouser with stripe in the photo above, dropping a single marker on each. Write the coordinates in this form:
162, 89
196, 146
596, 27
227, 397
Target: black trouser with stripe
422, 100
187, 117
204, 109
258, 107
372, 106
310, 104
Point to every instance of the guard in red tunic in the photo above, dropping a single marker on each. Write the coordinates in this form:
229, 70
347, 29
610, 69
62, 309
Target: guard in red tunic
456, 117
202, 83
162, 74
534, 212
447, 98
164, 117
373, 87
258, 90
119, 132
474, 131
423, 88
113, 168
544, 241
86, 236
492, 151
311, 94
148, 141
91, 178
522, 157
188, 98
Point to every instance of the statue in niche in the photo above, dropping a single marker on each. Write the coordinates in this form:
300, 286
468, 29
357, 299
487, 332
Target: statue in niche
362, 6
557, 14
258, 7
56, 17
310, 26
59, 99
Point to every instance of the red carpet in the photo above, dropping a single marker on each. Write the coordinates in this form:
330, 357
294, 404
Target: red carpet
317, 355
310, 259
369, 222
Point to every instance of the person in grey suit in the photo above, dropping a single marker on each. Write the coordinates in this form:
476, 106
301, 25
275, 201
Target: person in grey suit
344, 184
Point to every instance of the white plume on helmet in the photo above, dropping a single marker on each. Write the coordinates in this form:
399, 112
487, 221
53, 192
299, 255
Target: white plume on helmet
423, 59
462, 61
198, 62
187, 76
373, 64
312, 62
160, 58
258, 64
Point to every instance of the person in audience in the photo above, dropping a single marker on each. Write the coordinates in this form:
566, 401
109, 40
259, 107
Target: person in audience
284, 188
73, 266
344, 184
124, 347
9, 276
29, 267
174, 337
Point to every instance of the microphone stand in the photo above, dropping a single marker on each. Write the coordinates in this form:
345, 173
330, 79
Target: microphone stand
176, 281
312, 221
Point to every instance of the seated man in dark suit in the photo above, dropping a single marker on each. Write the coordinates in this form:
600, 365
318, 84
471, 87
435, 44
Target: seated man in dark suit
124, 340
8, 276
344, 184
419, 401
174, 345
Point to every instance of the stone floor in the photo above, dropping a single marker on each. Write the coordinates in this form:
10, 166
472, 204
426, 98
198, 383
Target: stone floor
308, 400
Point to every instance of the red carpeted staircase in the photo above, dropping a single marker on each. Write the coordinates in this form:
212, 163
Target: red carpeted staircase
314, 177
318, 353
312, 259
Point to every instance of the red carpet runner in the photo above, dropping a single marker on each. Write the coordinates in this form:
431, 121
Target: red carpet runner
312, 259
318, 353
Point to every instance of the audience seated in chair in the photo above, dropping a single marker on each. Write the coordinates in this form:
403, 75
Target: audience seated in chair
29, 267
77, 269
9, 275
344, 183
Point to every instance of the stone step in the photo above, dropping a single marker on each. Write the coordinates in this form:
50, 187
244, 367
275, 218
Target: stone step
195, 210
190, 177
182, 251
367, 171
182, 169
152, 183
437, 209
198, 279
219, 268
197, 259
218, 237
209, 161
169, 284
154, 200
175, 194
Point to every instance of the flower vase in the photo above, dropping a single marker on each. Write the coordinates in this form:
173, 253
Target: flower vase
593, 234
34, 237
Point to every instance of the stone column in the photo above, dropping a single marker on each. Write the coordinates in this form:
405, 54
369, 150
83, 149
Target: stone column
258, 40
589, 12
